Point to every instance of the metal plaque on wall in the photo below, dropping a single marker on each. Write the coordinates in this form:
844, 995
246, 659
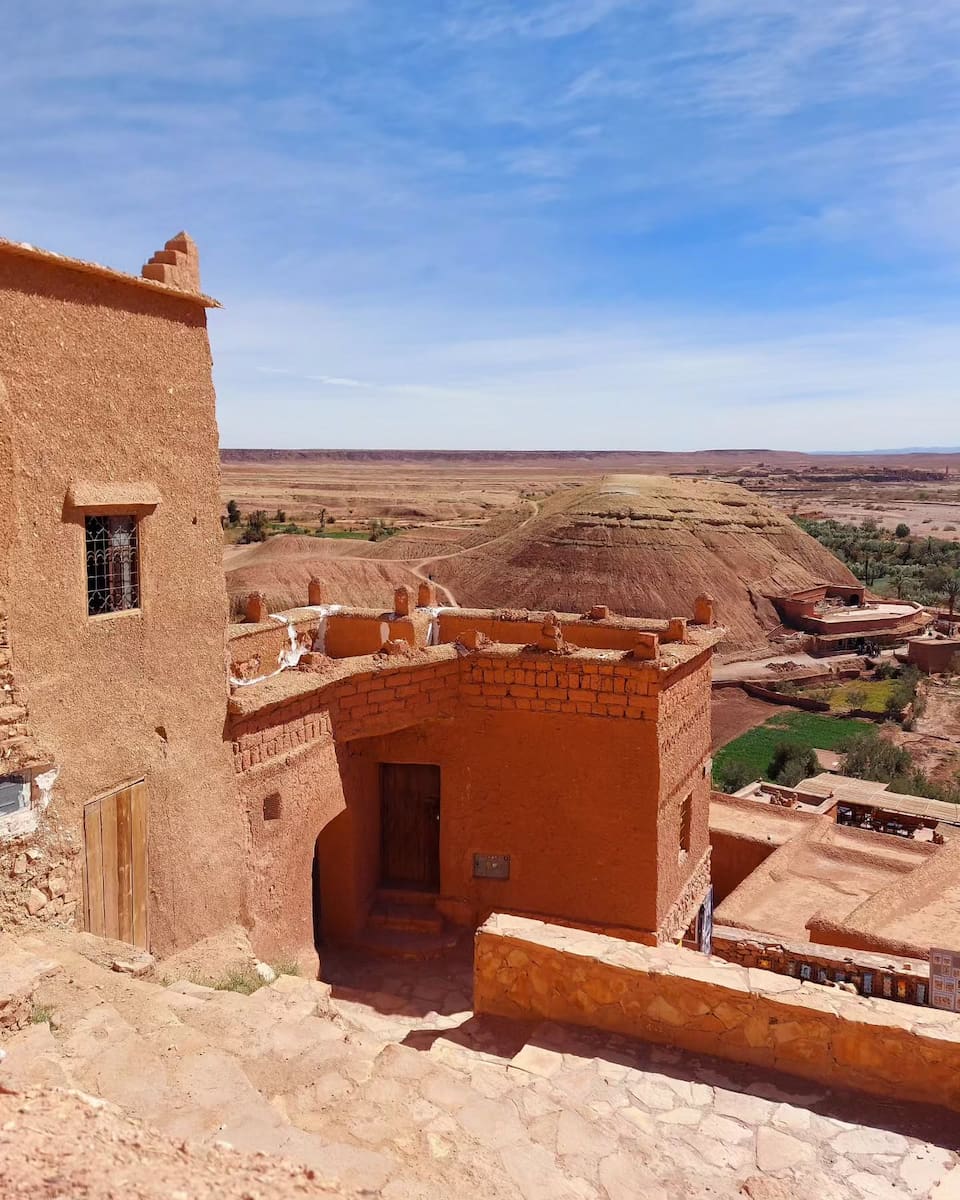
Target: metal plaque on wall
491, 866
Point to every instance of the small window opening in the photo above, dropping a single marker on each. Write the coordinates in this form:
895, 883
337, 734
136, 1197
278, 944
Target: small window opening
14, 795
686, 824
272, 807
113, 566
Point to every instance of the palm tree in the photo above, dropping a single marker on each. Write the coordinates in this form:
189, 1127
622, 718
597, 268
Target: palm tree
951, 590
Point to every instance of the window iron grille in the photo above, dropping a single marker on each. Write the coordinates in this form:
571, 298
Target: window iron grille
113, 567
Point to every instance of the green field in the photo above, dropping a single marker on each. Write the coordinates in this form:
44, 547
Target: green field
877, 693
755, 748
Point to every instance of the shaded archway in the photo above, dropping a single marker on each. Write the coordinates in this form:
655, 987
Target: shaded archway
317, 899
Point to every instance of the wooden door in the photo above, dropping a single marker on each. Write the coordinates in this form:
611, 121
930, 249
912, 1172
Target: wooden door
115, 865
410, 825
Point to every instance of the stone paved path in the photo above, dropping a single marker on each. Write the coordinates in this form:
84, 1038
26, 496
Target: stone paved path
574, 1113
384, 1080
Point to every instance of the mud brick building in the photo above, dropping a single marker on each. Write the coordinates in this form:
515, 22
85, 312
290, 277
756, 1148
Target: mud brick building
112, 591
532, 763
320, 774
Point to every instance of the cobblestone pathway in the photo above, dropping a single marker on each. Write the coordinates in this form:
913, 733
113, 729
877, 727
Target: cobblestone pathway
564, 1112
383, 1080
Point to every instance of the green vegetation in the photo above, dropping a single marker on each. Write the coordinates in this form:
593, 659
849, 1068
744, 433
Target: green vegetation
870, 695
243, 978
791, 763
752, 754
40, 1014
926, 569
257, 526
781, 751
380, 530
876, 758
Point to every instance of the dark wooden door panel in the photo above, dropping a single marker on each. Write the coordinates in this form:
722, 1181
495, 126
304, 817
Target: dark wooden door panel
410, 824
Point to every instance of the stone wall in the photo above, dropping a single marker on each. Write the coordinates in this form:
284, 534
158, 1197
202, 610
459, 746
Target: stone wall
903, 979
527, 970
542, 682
39, 860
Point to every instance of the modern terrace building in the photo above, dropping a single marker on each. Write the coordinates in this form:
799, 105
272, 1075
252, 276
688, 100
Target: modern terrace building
840, 618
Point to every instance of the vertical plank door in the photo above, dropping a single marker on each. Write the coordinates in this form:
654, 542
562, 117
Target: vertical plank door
410, 825
115, 865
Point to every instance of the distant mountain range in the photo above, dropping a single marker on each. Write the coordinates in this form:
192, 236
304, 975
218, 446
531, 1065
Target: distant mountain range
898, 450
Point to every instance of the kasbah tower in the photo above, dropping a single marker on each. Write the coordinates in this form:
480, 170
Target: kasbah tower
164, 774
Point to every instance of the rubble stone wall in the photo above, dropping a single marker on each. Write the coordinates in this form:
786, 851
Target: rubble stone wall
40, 881
527, 970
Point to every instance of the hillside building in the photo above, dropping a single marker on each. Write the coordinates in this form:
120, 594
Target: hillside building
111, 588
841, 619
340, 774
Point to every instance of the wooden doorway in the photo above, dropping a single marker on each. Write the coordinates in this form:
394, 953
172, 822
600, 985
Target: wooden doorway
115, 865
410, 826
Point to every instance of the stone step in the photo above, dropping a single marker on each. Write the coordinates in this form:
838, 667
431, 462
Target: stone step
21, 974
407, 944
409, 918
413, 897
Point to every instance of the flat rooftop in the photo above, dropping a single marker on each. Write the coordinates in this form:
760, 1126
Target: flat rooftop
845, 789
827, 870
745, 819
843, 615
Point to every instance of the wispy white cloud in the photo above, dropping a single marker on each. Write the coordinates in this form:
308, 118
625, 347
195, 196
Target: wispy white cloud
569, 170
654, 380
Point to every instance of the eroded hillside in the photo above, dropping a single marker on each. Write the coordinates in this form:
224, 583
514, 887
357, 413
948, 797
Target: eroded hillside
647, 545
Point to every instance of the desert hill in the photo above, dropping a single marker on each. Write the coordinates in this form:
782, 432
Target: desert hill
644, 544
647, 545
282, 568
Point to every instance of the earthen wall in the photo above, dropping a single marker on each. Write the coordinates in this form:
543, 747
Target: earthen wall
550, 759
108, 383
526, 970
683, 754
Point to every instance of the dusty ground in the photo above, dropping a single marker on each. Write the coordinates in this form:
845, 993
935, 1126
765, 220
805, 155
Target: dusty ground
935, 739
389, 1083
56, 1145
733, 712
403, 493
429, 488
645, 545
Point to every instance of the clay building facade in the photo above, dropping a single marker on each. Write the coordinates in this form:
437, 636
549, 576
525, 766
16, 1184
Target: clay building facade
555, 766
112, 593
311, 770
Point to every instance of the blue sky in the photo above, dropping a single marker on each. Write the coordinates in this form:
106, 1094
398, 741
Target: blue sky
619, 224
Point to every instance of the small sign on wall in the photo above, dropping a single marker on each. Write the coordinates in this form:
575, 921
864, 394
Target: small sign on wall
491, 866
945, 980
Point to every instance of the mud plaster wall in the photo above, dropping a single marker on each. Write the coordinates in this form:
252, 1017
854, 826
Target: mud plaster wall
552, 759
684, 740
530, 971
105, 382
734, 858
571, 798
287, 802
